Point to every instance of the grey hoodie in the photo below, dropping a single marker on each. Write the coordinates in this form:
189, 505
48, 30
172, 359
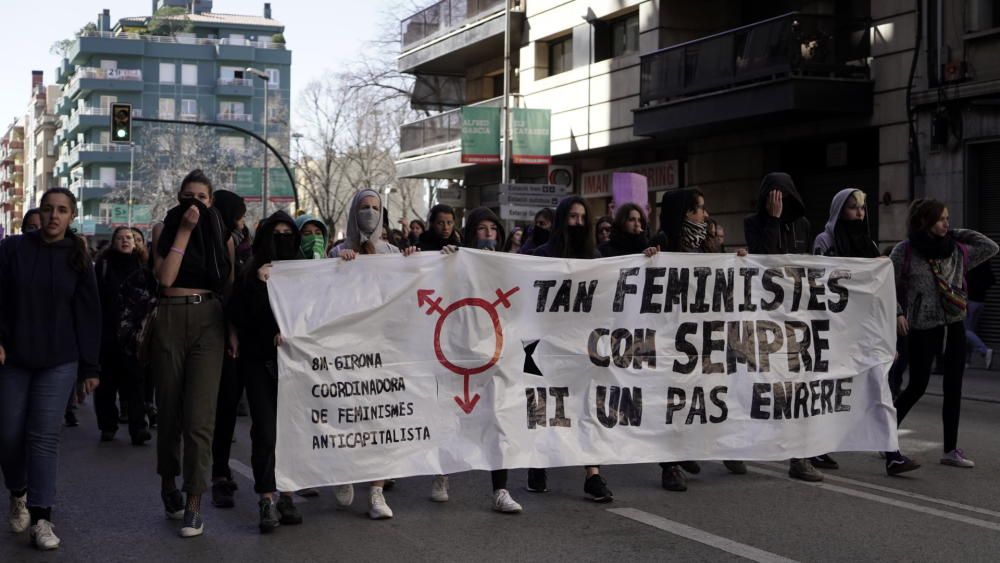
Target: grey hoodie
825, 243
355, 238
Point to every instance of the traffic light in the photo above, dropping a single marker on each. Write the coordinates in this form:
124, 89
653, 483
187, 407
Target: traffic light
121, 123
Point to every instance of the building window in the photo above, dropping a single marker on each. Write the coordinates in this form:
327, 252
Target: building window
168, 73
560, 55
617, 37
231, 108
189, 75
189, 108
274, 78
167, 108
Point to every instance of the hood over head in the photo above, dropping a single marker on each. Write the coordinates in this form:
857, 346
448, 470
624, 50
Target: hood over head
230, 206
263, 242
302, 220
793, 206
472, 221
355, 238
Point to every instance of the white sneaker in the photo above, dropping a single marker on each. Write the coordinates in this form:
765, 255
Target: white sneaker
502, 502
42, 535
377, 507
988, 358
344, 494
956, 458
439, 489
19, 518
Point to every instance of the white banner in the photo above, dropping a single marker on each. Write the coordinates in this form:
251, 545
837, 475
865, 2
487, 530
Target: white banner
434, 364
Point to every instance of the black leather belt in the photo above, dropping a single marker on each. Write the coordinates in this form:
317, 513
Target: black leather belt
186, 299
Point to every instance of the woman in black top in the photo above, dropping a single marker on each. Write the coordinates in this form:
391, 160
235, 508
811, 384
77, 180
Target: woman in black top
193, 266
50, 334
122, 373
441, 232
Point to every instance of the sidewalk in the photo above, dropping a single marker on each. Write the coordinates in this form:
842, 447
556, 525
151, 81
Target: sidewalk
977, 385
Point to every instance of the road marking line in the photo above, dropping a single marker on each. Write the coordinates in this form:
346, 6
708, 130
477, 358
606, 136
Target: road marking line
891, 502
900, 492
701, 536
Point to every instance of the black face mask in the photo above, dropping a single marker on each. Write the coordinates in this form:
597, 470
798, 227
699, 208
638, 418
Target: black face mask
539, 236
284, 246
576, 234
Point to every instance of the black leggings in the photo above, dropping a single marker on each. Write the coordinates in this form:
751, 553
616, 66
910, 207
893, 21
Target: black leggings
499, 478
230, 391
262, 395
924, 346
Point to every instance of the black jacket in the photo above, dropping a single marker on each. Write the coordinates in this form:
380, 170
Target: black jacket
112, 270
788, 234
429, 241
249, 309
980, 278
472, 221
50, 314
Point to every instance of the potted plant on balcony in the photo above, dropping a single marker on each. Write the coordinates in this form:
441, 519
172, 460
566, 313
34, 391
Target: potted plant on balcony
278, 38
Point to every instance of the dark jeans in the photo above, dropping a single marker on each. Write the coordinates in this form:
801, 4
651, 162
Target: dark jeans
120, 374
924, 346
186, 358
499, 478
33, 404
899, 365
262, 395
230, 390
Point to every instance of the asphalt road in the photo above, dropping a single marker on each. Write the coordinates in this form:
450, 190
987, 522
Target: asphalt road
109, 510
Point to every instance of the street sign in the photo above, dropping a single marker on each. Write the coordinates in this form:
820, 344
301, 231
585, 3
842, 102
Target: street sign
536, 189
531, 141
250, 185
518, 212
480, 135
537, 201
141, 215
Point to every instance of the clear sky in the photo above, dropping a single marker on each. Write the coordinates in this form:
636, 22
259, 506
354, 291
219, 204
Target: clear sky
322, 34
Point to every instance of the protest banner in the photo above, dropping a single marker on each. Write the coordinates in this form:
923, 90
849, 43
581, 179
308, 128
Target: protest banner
436, 364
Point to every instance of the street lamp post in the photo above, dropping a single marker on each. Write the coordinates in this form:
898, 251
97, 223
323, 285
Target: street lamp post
266, 78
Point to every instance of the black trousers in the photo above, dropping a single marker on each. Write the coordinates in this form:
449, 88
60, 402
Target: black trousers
230, 390
262, 396
924, 346
899, 365
120, 375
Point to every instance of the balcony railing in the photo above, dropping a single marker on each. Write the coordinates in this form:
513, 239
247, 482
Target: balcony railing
182, 39
100, 184
793, 44
98, 147
440, 129
231, 116
90, 110
109, 73
446, 14
234, 82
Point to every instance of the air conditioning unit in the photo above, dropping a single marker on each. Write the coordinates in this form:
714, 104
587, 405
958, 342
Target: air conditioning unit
561, 175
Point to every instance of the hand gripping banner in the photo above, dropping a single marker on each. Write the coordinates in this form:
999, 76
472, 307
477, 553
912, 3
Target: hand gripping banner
396, 366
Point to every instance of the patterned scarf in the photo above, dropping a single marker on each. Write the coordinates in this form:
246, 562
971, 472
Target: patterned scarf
693, 236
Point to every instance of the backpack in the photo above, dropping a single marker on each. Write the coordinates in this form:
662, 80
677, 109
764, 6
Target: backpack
138, 299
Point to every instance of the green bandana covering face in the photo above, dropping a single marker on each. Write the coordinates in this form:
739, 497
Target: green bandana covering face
313, 246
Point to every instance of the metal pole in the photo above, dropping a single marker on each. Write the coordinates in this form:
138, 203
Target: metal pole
131, 177
267, 85
505, 167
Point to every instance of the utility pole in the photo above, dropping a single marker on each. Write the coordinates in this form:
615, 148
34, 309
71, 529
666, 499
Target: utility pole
131, 180
505, 108
267, 86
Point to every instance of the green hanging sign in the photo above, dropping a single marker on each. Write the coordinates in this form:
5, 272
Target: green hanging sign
480, 135
531, 138
250, 185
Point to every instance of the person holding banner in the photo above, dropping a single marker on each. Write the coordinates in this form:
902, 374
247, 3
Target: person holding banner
364, 236
193, 266
315, 236
931, 266
629, 234
255, 341
780, 227
571, 238
442, 233
483, 231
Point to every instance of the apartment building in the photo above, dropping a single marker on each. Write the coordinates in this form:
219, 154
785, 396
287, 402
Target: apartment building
12, 177
197, 74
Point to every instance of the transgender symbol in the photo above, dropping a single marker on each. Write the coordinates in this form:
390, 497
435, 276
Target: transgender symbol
434, 306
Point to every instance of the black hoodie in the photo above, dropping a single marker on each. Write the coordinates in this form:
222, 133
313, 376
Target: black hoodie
249, 309
788, 234
50, 314
472, 221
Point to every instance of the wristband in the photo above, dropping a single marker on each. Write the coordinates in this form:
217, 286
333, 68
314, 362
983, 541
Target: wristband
177, 250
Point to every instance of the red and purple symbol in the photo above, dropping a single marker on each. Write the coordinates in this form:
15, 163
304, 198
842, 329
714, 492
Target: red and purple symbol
434, 306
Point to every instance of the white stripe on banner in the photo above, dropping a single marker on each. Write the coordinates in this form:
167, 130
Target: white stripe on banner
694, 534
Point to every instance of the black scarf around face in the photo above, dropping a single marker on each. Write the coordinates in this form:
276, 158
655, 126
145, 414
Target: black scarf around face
852, 240
629, 243
931, 246
206, 259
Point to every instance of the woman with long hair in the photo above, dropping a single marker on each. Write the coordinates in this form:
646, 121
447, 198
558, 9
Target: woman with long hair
629, 234
193, 266
931, 267
50, 336
441, 230
122, 374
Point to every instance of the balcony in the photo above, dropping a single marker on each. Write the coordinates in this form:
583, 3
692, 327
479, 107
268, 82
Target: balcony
88, 117
232, 116
234, 87
794, 66
99, 152
454, 34
89, 79
431, 147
